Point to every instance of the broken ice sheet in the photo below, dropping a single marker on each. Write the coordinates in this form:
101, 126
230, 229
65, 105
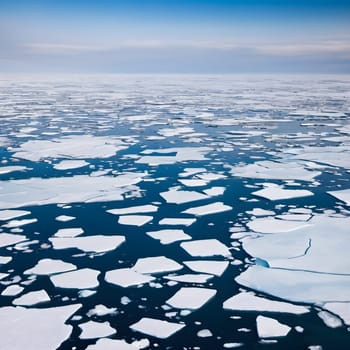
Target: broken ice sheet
149, 208
275, 192
111, 344
212, 208
158, 264
269, 328
92, 329
177, 221
127, 277
64, 218
157, 328
78, 279
11, 214
49, 267
69, 232
70, 164
343, 195
169, 236
216, 268
206, 247
10, 169
7, 239
134, 220
180, 197
32, 298
190, 278
33, 323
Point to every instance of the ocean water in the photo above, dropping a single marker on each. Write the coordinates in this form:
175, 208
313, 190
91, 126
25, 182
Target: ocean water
259, 168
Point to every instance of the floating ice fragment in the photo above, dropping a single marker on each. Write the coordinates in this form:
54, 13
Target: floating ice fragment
10, 169
190, 278
191, 298
33, 323
329, 319
11, 214
215, 191
64, 218
156, 328
49, 267
274, 192
169, 236
193, 182
340, 309
260, 212
101, 310
216, 268
19, 223
126, 277
134, 220
206, 247
111, 344
70, 164
212, 208
343, 195
158, 264
204, 333
137, 209
272, 225
91, 330
69, 232
249, 302
12, 290
32, 298
269, 328
79, 279
10, 239
177, 221
180, 197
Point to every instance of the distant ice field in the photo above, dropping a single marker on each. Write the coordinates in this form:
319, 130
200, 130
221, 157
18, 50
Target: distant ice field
174, 212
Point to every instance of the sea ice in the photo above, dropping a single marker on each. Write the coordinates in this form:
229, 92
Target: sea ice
269, 328
180, 197
19, 223
111, 344
32, 298
10, 239
12, 290
49, 267
127, 277
10, 169
64, 218
206, 247
157, 264
216, 268
70, 164
92, 329
273, 225
212, 208
79, 279
191, 298
274, 192
69, 232
343, 195
177, 221
33, 323
249, 302
149, 208
11, 214
156, 328
134, 220
340, 309
169, 236
96, 244
190, 278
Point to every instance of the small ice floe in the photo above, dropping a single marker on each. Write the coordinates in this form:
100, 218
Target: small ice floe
78, 279
50, 267
192, 171
245, 301
190, 278
134, 220
157, 264
101, 310
32, 298
19, 223
215, 191
111, 344
275, 192
204, 333
193, 182
157, 328
329, 319
177, 221
270, 328
294, 217
12, 290
95, 244
169, 236
11, 214
211, 267
232, 345
212, 208
149, 208
92, 330
34, 323
180, 197
7, 239
206, 247
340, 309
211, 176
69, 232
191, 298
260, 212
11, 169
127, 277
70, 164
343, 195
64, 218
273, 225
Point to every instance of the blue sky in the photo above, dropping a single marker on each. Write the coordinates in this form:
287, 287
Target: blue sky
167, 36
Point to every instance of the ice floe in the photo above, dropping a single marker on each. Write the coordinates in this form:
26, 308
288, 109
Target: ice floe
169, 236
96, 244
111, 344
50, 267
149, 208
32, 298
70, 164
33, 323
274, 192
69, 232
206, 247
12, 290
212, 267
64, 218
273, 225
127, 277
92, 330
10, 169
157, 328
180, 197
11, 214
177, 221
212, 208
245, 301
157, 264
7, 239
343, 195
134, 220
269, 328
191, 298
190, 278
79, 279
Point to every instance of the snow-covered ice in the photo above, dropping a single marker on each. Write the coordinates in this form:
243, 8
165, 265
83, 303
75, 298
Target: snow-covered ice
206, 247
212, 208
127, 277
169, 236
79, 279
269, 328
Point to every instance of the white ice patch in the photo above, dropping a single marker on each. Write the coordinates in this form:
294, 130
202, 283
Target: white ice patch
191, 298
50, 267
111, 344
190, 278
70, 164
204, 333
7, 239
64, 218
32, 298
329, 319
343, 195
206, 247
5, 259
78, 147
33, 323
156, 328
92, 330
73, 189
149, 208
249, 302
212, 208
340, 309
260, 212
134, 220
269, 328
96, 244
10, 169
177, 221
11, 214
273, 225
79, 279
275, 192
169, 236
101, 310
19, 223
69, 232
127, 277
193, 182
215, 191
158, 264
12, 290
180, 197
216, 268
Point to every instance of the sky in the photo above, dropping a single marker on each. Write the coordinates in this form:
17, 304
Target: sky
168, 36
